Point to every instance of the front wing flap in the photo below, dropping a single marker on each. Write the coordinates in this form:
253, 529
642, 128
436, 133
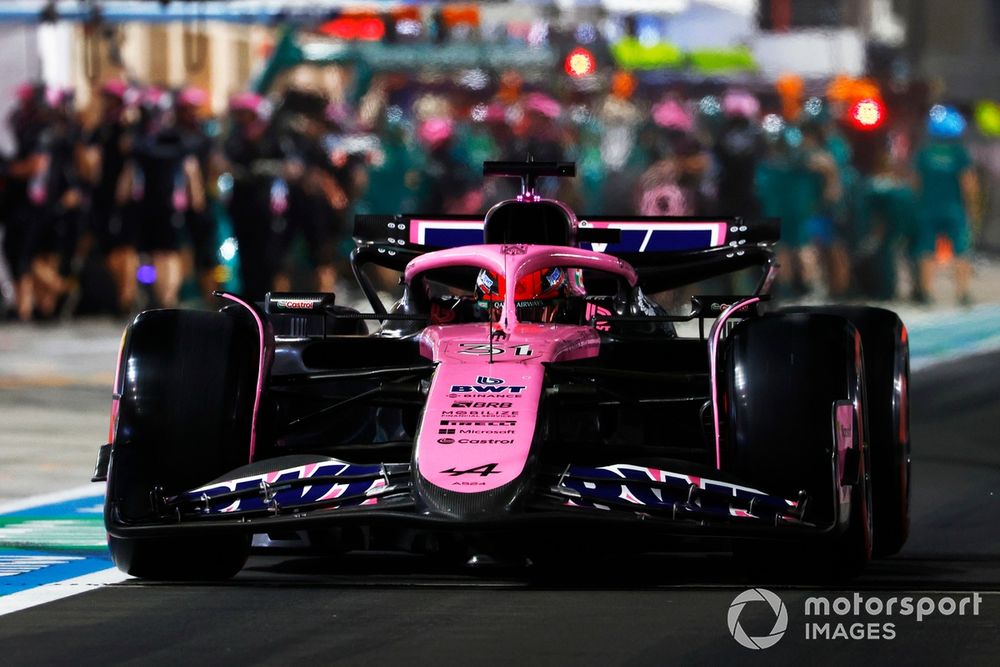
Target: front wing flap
662, 493
331, 490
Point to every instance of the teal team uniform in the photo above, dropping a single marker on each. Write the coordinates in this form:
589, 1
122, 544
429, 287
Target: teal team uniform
851, 188
942, 209
886, 221
819, 225
784, 189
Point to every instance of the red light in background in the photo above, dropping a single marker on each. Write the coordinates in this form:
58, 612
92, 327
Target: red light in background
363, 28
580, 62
867, 114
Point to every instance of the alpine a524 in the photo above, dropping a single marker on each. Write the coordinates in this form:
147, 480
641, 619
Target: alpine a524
527, 392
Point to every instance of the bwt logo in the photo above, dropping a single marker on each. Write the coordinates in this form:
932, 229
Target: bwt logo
486, 389
780, 618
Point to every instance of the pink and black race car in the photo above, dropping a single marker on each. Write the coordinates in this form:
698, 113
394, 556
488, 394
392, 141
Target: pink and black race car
527, 392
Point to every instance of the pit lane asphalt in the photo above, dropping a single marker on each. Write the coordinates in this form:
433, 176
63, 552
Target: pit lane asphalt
658, 611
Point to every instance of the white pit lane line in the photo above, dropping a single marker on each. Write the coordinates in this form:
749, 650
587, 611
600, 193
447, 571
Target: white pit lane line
50, 498
56, 590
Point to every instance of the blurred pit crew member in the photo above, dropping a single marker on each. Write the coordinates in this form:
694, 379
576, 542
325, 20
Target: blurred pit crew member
736, 151
258, 203
108, 148
783, 192
45, 198
26, 178
886, 222
166, 182
57, 245
320, 193
824, 190
447, 184
200, 223
948, 192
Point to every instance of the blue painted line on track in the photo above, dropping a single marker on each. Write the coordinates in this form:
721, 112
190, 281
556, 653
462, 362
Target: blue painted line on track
37, 568
50, 543
938, 337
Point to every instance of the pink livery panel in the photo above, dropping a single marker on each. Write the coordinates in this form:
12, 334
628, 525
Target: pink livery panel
479, 423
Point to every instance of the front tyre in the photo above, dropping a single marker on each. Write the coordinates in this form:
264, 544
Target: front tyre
186, 402
887, 379
180, 559
784, 378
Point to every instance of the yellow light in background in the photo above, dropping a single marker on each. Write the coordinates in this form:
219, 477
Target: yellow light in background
221, 274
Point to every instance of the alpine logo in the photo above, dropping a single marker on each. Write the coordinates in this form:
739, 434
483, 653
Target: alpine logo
483, 470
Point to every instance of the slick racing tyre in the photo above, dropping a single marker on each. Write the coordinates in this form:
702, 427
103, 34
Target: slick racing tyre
887, 378
188, 386
784, 375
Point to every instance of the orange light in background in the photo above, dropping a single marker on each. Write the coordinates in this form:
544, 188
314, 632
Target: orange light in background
791, 89
406, 13
265, 49
453, 15
510, 87
623, 85
849, 90
867, 114
580, 62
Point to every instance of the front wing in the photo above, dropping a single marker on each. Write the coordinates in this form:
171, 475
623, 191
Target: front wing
334, 492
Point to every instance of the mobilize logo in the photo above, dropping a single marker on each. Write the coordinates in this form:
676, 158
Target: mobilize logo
780, 618
484, 414
478, 422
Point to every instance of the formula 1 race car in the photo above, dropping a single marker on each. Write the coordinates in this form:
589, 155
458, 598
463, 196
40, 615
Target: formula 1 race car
526, 393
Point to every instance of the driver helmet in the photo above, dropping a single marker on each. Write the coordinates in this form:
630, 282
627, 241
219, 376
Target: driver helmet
537, 295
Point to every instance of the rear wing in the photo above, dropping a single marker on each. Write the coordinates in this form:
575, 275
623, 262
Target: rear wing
617, 235
667, 252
